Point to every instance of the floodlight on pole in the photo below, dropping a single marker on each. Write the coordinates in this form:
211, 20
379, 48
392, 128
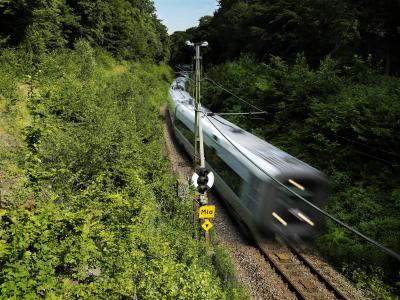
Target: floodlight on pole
202, 44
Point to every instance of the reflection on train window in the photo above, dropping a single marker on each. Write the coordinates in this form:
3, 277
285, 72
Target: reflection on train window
231, 178
187, 133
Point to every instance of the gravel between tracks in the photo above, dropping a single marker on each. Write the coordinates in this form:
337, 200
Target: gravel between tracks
252, 270
336, 278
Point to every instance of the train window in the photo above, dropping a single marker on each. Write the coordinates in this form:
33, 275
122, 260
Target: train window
187, 133
231, 178
251, 192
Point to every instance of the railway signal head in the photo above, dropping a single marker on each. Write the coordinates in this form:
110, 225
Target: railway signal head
203, 180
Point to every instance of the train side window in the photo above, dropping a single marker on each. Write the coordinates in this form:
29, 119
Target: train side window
187, 133
251, 192
231, 178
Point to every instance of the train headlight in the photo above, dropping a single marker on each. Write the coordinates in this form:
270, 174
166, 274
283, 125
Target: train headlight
301, 216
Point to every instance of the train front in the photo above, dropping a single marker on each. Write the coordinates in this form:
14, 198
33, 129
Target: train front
293, 211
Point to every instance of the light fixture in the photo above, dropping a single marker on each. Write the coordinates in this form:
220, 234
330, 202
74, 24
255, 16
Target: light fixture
296, 184
278, 217
202, 44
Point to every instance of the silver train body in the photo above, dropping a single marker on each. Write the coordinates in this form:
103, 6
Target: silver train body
261, 205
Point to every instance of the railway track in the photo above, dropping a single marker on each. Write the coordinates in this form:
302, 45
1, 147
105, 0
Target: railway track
302, 277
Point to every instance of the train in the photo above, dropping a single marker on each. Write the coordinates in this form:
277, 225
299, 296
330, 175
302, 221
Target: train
247, 169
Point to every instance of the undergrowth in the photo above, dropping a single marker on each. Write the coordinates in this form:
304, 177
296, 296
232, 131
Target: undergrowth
92, 213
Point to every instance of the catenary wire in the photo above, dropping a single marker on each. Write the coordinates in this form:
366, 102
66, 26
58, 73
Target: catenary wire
376, 157
351, 229
349, 140
231, 93
360, 152
344, 138
358, 143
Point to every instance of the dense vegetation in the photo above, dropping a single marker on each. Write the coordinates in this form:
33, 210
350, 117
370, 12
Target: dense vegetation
339, 28
88, 206
92, 210
321, 70
127, 28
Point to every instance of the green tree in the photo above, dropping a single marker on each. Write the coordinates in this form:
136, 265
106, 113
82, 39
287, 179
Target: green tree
128, 29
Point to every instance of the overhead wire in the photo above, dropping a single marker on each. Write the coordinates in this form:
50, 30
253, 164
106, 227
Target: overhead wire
374, 149
236, 113
344, 138
260, 111
232, 94
349, 140
336, 135
376, 157
359, 143
321, 211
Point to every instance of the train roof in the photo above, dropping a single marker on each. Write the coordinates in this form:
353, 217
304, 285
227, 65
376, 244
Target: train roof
255, 145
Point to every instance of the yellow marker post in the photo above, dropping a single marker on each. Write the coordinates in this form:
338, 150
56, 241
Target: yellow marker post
207, 225
207, 212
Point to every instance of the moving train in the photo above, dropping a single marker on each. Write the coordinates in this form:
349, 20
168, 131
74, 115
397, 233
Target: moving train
261, 205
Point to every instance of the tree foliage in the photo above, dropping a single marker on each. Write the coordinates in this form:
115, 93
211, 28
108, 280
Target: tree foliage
127, 28
317, 68
339, 28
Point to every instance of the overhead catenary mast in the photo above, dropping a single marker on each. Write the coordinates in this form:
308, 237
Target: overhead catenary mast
202, 179
198, 142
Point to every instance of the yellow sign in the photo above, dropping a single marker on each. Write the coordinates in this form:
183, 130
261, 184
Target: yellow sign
207, 212
207, 225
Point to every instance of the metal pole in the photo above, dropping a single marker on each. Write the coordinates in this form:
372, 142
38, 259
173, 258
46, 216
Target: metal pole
198, 143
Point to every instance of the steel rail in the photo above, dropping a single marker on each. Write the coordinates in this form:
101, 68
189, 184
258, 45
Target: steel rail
317, 273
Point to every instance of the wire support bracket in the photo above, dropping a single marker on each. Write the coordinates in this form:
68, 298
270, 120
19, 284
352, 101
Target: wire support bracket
211, 114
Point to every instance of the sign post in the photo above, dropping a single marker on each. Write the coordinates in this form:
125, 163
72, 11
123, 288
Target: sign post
203, 180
